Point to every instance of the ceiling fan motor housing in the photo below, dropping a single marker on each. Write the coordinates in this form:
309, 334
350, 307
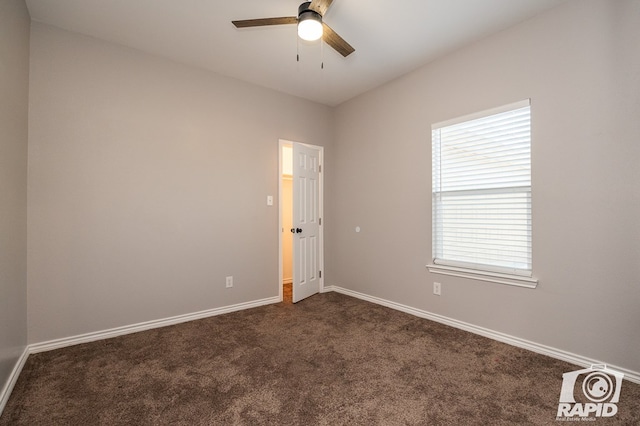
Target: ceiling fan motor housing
303, 11
309, 23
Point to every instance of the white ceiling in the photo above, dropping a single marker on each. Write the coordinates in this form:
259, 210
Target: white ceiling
391, 37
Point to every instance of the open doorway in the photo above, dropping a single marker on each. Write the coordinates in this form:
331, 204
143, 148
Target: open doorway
286, 197
301, 231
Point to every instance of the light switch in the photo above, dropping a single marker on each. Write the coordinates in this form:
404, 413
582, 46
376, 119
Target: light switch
269, 200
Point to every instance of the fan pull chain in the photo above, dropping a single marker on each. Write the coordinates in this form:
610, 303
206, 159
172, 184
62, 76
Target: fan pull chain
297, 53
321, 54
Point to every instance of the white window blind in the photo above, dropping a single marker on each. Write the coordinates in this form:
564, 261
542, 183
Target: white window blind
482, 191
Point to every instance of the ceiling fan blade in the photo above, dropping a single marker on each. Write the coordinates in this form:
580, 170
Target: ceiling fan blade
246, 23
320, 6
334, 40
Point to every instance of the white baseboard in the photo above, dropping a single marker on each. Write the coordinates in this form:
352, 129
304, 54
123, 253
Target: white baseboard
118, 331
134, 328
579, 360
13, 378
114, 332
632, 376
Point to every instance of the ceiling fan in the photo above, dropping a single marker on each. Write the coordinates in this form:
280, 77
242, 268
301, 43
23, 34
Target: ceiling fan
310, 25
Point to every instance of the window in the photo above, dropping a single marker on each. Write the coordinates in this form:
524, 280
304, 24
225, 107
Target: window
482, 195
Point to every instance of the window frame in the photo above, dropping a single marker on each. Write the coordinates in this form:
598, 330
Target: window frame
482, 272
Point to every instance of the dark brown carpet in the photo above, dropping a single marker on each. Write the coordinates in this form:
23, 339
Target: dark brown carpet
328, 360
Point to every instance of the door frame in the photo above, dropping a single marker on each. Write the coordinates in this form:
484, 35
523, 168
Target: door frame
281, 144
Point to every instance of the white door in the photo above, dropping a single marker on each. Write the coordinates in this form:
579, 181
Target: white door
306, 221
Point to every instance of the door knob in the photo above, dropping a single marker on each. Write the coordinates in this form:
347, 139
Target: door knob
296, 230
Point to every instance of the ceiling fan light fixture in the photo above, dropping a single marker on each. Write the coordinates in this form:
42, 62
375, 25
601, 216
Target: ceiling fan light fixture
310, 25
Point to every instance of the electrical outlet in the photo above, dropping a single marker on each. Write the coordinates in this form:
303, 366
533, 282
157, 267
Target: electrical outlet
437, 289
229, 282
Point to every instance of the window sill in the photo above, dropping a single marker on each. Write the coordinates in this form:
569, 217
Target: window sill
493, 277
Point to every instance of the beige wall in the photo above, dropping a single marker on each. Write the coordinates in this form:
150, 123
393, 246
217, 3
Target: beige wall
14, 89
148, 185
580, 65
